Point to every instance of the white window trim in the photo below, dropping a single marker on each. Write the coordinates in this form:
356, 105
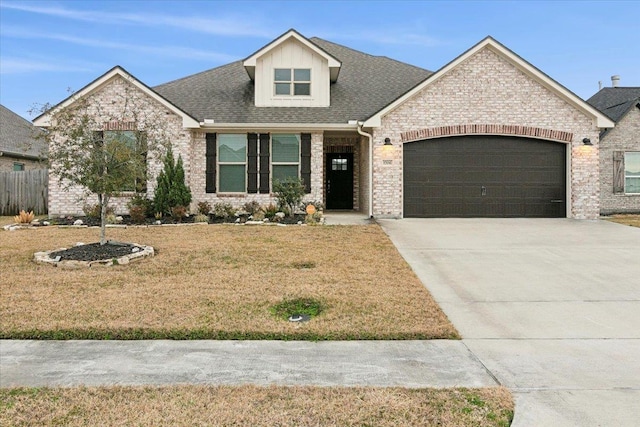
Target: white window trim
625, 172
219, 163
291, 83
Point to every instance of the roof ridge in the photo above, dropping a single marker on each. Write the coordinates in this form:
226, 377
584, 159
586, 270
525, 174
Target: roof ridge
368, 54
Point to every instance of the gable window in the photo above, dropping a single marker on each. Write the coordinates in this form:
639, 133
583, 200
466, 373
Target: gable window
137, 143
632, 172
292, 81
17, 167
232, 163
285, 156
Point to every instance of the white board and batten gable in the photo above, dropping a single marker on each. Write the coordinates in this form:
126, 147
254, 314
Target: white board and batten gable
292, 71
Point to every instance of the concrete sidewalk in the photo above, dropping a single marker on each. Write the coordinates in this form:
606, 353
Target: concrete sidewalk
437, 363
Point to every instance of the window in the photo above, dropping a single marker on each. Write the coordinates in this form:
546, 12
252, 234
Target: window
292, 81
285, 156
232, 163
339, 164
632, 172
17, 167
137, 143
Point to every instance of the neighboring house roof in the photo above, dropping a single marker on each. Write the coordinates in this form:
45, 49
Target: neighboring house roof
187, 120
524, 66
615, 102
226, 94
18, 137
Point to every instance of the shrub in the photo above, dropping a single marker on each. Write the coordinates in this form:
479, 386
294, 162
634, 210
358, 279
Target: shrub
93, 211
138, 214
204, 208
270, 210
178, 212
139, 208
24, 217
201, 218
223, 210
289, 193
251, 207
171, 190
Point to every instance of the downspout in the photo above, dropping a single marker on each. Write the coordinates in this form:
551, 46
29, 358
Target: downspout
370, 137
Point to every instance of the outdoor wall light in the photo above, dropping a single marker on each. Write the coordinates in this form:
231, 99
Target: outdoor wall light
587, 141
387, 141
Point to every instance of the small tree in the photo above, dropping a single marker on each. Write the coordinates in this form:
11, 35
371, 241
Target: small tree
289, 193
171, 190
86, 151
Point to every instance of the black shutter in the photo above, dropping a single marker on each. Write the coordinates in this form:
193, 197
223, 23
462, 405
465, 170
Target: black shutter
142, 149
618, 171
210, 172
252, 163
264, 163
305, 161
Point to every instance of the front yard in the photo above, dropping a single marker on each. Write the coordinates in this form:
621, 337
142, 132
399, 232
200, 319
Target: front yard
255, 406
217, 282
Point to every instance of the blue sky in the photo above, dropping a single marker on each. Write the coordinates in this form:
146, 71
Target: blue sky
49, 47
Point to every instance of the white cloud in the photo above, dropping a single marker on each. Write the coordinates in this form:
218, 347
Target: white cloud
164, 51
224, 26
14, 65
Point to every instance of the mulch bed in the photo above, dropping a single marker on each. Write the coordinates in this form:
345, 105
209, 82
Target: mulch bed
94, 252
126, 220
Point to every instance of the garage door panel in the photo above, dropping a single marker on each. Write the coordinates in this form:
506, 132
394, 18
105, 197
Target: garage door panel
484, 176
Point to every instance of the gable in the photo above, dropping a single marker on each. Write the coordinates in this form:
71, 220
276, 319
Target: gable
487, 74
117, 73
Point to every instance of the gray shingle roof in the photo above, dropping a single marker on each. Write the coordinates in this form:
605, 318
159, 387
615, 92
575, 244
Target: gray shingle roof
615, 101
365, 85
18, 136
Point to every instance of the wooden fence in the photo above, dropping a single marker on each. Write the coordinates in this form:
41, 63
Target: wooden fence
24, 190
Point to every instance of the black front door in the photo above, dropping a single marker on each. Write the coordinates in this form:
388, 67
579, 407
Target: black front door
339, 182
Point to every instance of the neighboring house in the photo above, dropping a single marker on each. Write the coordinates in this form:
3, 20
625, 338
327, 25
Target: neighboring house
20, 149
487, 135
619, 149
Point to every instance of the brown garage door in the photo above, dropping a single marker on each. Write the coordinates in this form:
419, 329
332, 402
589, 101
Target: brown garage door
484, 176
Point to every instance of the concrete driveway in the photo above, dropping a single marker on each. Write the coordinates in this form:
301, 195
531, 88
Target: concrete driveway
550, 306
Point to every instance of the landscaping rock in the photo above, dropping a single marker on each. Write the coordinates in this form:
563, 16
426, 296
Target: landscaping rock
280, 215
78, 222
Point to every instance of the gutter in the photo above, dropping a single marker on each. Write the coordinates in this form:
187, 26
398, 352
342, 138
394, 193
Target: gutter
21, 156
370, 137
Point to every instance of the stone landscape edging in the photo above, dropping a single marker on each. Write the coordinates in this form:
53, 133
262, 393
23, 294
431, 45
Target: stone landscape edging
44, 258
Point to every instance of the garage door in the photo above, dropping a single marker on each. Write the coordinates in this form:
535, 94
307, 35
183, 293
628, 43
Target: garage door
484, 176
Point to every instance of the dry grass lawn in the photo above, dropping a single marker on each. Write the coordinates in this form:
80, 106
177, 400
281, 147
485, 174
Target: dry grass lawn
632, 220
255, 406
217, 282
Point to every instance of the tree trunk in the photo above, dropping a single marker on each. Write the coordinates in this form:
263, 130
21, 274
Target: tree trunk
103, 200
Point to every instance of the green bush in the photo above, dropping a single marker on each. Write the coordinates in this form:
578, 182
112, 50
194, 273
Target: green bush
289, 193
171, 190
270, 210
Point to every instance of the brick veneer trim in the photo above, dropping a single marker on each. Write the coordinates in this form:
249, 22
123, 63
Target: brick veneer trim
489, 129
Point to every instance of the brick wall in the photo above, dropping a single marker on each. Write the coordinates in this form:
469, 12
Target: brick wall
487, 89
119, 101
198, 178
624, 137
